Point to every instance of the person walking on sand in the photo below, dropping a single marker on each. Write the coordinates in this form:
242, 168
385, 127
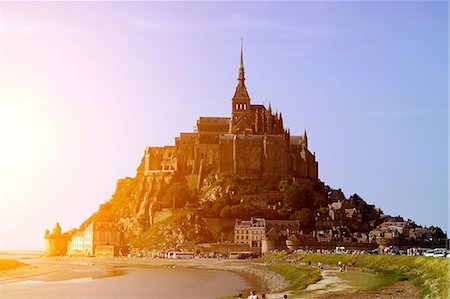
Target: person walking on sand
240, 296
252, 295
263, 296
285, 296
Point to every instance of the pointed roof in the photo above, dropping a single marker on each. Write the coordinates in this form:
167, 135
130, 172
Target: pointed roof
241, 90
241, 64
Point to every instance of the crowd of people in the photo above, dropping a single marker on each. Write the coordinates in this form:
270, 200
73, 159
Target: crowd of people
342, 268
254, 296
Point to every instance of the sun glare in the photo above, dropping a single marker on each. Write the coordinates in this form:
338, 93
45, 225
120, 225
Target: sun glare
26, 141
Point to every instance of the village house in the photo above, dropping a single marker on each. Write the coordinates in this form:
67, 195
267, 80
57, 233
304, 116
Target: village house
396, 228
324, 235
336, 212
322, 222
341, 233
250, 232
417, 234
76, 244
253, 231
98, 238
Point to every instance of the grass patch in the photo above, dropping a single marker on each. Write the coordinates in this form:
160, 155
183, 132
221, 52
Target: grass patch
431, 274
299, 277
367, 281
10, 265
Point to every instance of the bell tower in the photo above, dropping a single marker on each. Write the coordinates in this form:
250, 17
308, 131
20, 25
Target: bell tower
240, 110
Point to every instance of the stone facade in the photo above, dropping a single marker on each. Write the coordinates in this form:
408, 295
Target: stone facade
255, 230
98, 238
252, 143
250, 232
56, 242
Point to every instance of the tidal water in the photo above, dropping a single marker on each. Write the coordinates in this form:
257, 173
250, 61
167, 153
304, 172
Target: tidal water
137, 282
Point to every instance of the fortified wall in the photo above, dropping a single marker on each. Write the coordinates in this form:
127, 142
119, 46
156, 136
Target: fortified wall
251, 143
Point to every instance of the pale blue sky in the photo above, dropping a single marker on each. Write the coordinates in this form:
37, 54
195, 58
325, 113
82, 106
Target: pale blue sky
87, 86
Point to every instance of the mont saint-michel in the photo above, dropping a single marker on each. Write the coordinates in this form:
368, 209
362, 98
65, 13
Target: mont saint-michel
242, 183
224, 150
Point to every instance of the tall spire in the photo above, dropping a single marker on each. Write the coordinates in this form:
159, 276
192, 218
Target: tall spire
241, 76
241, 65
305, 138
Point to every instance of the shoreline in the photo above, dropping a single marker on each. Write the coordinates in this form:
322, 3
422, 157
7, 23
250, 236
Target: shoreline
251, 270
57, 269
256, 273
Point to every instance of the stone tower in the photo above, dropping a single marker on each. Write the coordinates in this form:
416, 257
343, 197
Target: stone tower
240, 121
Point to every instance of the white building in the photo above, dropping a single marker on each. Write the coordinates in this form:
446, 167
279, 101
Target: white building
250, 232
98, 238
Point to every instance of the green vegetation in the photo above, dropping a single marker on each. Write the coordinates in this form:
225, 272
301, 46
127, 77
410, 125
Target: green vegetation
10, 265
177, 195
299, 277
305, 217
366, 281
172, 232
431, 274
222, 196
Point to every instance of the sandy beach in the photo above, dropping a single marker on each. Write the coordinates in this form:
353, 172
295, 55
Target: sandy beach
65, 268
40, 269
55, 269
60, 269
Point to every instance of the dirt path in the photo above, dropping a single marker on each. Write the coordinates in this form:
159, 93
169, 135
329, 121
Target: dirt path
330, 283
331, 286
398, 290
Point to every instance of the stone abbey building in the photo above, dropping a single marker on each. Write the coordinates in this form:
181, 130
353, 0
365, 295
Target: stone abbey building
253, 143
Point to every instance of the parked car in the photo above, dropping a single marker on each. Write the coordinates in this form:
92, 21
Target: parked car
440, 252
428, 252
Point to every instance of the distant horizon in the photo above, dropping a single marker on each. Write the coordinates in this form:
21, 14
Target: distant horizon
86, 87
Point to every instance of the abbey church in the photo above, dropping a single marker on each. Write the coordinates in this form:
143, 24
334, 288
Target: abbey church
252, 143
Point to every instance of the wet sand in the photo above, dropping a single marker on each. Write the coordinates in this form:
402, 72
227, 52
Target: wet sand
62, 268
194, 275
78, 277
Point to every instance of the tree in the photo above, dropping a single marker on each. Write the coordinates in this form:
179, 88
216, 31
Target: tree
323, 210
242, 211
216, 209
225, 212
235, 211
305, 217
283, 185
177, 193
299, 196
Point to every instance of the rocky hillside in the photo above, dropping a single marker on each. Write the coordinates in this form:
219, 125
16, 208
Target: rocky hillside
160, 210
